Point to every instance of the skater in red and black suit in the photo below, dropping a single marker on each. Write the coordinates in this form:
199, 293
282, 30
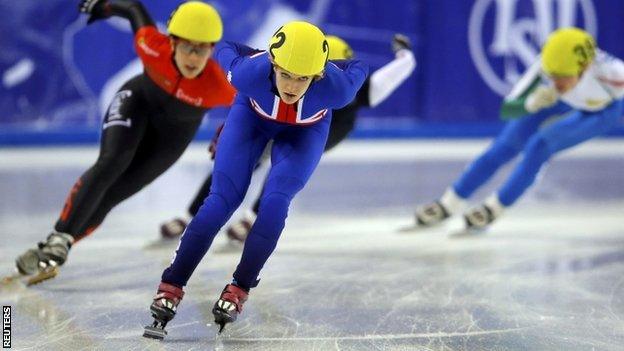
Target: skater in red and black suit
150, 122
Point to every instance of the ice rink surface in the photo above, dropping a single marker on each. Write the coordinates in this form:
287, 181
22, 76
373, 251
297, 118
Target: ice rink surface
548, 276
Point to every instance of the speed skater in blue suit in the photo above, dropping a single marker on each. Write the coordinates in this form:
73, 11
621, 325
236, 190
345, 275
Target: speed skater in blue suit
285, 94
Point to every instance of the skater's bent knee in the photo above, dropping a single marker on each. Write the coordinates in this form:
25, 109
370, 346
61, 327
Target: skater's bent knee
500, 153
224, 187
537, 148
284, 185
113, 164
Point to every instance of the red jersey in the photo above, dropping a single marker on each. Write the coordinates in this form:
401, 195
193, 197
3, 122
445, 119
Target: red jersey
211, 88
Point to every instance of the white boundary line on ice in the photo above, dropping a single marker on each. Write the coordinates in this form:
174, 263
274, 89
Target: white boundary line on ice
351, 151
383, 337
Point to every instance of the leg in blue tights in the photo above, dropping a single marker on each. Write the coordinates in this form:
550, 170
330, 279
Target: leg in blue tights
240, 145
570, 131
505, 147
295, 154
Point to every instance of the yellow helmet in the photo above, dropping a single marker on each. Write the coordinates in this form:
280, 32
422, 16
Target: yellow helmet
196, 21
299, 47
567, 52
338, 48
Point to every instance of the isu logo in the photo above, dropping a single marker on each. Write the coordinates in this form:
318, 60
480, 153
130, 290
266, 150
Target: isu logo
505, 36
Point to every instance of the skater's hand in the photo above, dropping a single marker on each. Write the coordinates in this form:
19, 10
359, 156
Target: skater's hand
541, 98
212, 148
401, 42
97, 9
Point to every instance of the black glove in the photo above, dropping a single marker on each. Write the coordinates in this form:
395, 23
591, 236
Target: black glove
212, 148
400, 42
97, 9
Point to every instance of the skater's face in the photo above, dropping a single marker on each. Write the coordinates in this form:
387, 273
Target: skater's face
191, 57
563, 84
290, 86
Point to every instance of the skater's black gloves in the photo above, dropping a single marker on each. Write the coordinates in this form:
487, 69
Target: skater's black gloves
401, 42
97, 9
212, 148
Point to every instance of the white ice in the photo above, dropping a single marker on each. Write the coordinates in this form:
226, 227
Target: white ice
548, 276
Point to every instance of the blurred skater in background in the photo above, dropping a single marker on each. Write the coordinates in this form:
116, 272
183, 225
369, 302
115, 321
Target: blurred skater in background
573, 81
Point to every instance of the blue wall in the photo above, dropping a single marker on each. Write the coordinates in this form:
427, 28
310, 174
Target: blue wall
59, 74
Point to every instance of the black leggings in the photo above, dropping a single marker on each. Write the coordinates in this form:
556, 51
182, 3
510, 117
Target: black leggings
139, 142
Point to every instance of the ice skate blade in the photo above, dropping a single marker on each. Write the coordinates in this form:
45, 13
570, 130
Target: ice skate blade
417, 228
44, 275
468, 233
221, 319
30, 280
154, 333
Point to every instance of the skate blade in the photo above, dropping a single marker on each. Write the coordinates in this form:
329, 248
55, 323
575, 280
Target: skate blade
468, 233
30, 280
221, 319
154, 333
417, 228
410, 229
44, 275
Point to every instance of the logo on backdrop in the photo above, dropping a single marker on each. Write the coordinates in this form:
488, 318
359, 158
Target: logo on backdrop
504, 46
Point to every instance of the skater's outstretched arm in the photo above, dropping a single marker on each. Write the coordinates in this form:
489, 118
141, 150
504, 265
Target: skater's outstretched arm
132, 10
529, 95
611, 74
387, 79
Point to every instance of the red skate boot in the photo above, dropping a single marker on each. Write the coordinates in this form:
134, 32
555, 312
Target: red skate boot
163, 310
229, 305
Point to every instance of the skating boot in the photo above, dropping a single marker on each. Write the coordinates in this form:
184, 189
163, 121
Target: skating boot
163, 310
479, 218
173, 229
43, 262
229, 305
238, 231
431, 214
436, 212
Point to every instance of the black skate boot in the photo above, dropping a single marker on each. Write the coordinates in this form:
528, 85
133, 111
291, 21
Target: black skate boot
173, 228
43, 262
229, 305
163, 310
239, 231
